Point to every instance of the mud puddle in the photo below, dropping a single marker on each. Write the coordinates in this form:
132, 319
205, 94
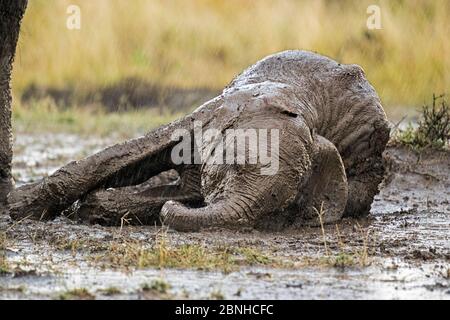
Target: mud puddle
401, 251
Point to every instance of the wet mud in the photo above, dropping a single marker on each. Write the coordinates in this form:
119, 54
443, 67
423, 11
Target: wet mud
400, 251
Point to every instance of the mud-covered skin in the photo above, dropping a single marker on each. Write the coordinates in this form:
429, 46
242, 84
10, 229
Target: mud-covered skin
329, 118
139, 204
11, 13
338, 103
332, 131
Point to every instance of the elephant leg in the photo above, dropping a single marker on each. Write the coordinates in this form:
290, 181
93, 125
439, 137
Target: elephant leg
139, 205
125, 164
46, 199
362, 188
323, 199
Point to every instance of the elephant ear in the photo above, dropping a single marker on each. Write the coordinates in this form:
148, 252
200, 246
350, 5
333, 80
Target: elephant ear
287, 109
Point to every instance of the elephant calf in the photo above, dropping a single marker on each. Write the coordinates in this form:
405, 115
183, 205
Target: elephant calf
330, 129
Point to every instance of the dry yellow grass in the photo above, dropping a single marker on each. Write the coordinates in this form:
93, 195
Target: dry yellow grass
206, 42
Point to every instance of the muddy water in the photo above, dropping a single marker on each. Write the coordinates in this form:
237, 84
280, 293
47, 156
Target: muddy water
405, 243
36, 156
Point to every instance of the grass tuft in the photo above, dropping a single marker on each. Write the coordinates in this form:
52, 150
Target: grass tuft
157, 286
254, 257
343, 260
111, 291
134, 254
77, 294
4, 266
217, 295
433, 129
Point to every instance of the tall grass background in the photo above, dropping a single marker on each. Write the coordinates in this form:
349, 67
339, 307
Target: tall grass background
205, 43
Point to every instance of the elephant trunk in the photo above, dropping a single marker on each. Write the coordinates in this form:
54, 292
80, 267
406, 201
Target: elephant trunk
229, 212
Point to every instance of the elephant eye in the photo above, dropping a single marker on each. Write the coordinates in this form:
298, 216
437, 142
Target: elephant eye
289, 114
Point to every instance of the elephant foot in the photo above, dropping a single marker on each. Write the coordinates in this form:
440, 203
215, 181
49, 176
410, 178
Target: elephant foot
362, 188
135, 205
112, 207
24, 203
6, 185
324, 197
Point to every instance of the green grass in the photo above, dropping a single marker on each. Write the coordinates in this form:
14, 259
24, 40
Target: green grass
207, 42
156, 289
132, 254
129, 254
77, 294
253, 256
111, 291
432, 130
342, 260
4, 266
158, 286
13, 289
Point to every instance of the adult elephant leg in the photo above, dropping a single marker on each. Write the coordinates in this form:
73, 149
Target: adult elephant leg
323, 199
139, 205
11, 13
128, 163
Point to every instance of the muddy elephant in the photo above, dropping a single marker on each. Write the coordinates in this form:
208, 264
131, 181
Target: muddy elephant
330, 131
11, 13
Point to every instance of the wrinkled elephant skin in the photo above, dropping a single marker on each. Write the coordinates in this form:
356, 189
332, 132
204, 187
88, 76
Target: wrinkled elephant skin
331, 132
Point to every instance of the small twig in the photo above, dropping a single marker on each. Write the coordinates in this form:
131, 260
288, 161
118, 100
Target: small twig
139, 220
320, 214
364, 255
396, 126
123, 221
341, 244
18, 222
